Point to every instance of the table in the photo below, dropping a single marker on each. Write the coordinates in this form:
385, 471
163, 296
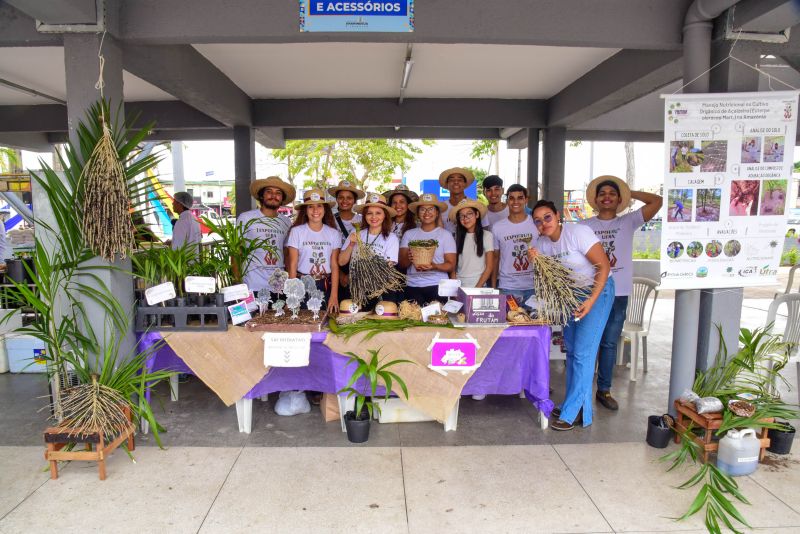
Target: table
518, 363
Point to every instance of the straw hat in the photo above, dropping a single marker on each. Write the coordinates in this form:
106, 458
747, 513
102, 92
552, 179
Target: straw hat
374, 199
313, 196
624, 192
273, 181
348, 307
456, 170
428, 199
401, 189
385, 310
466, 203
345, 185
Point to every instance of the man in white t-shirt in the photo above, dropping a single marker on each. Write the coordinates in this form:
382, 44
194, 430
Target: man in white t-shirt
609, 195
455, 180
497, 209
513, 272
186, 230
271, 193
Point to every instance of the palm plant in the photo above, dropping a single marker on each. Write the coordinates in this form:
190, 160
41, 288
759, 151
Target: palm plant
375, 373
749, 373
234, 252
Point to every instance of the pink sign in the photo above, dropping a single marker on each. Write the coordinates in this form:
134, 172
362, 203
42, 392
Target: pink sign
453, 353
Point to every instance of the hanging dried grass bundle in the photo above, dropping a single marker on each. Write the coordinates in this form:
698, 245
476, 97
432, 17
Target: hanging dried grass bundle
107, 225
371, 275
559, 290
90, 408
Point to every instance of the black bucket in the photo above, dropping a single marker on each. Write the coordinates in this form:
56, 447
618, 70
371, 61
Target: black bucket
357, 429
658, 431
15, 270
780, 441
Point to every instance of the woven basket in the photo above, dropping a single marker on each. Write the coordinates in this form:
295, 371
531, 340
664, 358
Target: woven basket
423, 255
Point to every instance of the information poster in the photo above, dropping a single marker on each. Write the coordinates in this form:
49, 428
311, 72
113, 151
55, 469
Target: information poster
729, 161
357, 16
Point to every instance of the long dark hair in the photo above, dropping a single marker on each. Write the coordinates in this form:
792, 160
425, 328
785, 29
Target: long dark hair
327, 218
461, 234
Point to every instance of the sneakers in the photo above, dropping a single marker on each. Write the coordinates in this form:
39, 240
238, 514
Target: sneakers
605, 398
561, 425
557, 415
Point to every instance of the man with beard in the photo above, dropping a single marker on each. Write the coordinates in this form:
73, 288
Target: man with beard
271, 193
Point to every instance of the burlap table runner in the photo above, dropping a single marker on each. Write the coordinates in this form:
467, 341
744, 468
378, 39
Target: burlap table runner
230, 363
428, 391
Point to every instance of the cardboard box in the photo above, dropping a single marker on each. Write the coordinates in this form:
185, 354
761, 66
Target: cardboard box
482, 305
329, 406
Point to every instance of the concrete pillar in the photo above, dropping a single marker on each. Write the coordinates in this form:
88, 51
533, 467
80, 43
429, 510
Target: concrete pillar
178, 179
82, 70
533, 166
553, 165
244, 148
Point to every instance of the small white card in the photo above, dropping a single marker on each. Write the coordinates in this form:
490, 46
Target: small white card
286, 349
239, 313
159, 293
237, 292
532, 302
449, 287
200, 284
431, 309
453, 306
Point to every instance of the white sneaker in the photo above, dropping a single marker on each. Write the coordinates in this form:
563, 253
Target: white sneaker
292, 403
478, 397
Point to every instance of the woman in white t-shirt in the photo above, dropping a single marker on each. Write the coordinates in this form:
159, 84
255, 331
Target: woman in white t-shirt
474, 244
423, 280
313, 245
576, 247
377, 235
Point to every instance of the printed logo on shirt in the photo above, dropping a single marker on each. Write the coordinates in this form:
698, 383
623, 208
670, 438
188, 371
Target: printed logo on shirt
520, 255
318, 262
271, 257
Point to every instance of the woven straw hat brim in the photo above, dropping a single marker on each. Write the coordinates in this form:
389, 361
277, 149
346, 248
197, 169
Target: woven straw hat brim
624, 192
468, 204
456, 170
273, 181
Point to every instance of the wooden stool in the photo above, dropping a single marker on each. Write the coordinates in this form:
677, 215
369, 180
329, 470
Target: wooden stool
709, 422
57, 438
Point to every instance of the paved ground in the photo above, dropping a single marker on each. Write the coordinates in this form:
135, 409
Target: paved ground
498, 473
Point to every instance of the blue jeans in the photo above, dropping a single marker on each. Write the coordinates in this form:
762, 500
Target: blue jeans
608, 343
582, 339
521, 295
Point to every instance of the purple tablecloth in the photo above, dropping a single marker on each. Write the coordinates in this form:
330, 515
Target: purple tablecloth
519, 361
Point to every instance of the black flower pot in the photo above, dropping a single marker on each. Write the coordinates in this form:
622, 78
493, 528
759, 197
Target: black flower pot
357, 429
15, 271
658, 432
219, 300
780, 441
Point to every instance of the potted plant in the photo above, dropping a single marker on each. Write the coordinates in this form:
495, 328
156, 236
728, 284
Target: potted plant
369, 374
234, 252
748, 374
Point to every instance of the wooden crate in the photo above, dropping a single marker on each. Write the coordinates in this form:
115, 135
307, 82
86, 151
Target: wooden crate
709, 422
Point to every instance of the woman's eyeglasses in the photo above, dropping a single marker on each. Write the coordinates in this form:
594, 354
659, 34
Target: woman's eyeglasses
546, 219
426, 209
466, 215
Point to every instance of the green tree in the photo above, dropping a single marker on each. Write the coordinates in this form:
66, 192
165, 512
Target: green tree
9, 159
483, 148
364, 162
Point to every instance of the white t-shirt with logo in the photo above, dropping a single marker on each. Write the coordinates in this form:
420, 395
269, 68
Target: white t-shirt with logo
385, 247
515, 270
470, 265
274, 230
616, 236
447, 245
397, 229
314, 249
571, 248
350, 225
492, 217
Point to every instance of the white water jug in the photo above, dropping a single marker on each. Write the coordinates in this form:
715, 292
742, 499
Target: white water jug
738, 452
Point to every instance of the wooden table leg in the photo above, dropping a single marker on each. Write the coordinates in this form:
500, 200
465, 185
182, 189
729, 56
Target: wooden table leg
53, 463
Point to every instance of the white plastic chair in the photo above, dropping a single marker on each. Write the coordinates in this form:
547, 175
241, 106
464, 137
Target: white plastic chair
790, 282
634, 327
791, 333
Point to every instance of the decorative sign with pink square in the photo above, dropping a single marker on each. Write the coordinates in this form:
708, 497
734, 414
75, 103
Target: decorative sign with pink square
452, 353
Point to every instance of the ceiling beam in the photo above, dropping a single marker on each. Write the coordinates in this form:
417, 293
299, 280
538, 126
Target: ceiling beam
622, 78
186, 74
33, 141
392, 133
605, 135
58, 11
18, 29
419, 112
765, 16
518, 140
645, 24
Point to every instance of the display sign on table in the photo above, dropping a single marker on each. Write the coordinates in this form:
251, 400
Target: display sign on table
160, 293
729, 160
453, 354
237, 292
357, 16
286, 349
200, 284
239, 313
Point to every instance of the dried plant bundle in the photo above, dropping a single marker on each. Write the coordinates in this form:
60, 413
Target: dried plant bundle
410, 310
559, 290
371, 275
107, 225
94, 407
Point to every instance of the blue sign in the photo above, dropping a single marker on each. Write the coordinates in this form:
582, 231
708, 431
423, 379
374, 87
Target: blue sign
432, 186
357, 16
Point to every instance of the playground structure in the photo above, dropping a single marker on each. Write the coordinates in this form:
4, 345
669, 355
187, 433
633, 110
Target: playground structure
575, 206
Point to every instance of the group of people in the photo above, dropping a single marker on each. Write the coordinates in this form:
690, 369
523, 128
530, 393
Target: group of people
482, 245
